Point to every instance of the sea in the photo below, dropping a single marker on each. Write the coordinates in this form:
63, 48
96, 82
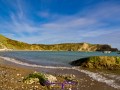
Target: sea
61, 59
52, 58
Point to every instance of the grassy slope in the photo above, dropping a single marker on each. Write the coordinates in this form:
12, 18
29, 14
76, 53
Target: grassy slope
12, 44
16, 45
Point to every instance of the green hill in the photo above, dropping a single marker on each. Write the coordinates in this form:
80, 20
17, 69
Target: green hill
6, 43
12, 44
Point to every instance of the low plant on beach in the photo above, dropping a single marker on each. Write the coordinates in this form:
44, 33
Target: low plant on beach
50, 81
35, 77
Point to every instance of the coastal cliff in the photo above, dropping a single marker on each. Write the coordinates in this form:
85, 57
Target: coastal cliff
99, 62
9, 44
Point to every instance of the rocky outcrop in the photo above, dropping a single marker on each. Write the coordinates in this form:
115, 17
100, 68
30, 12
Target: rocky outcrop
105, 48
99, 62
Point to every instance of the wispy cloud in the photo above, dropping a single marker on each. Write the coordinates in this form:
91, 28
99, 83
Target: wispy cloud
44, 14
92, 25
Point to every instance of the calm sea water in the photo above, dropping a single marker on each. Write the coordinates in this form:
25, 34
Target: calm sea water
51, 58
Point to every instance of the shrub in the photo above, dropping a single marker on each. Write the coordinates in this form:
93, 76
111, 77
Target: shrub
40, 76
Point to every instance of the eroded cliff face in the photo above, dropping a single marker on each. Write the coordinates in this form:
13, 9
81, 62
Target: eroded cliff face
84, 47
98, 62
96, 47
88, 47
6, 43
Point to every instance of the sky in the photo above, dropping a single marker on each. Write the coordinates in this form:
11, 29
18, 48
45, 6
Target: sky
61, 21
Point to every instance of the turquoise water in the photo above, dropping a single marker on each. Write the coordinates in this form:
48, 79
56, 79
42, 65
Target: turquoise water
51, 58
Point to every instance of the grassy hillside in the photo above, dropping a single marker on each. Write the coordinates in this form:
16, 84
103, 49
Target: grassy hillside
12, 44
7, 43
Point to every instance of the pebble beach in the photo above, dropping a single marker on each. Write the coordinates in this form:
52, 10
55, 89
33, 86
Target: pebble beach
11, 78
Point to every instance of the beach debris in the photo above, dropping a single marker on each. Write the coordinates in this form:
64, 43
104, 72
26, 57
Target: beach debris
41, 78
50, 78
50, 81
68, 77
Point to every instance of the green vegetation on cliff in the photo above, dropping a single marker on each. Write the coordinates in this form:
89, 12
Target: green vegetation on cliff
6, 43
12, 44
99, 62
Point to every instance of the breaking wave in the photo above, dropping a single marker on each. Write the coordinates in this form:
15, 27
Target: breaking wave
100, 78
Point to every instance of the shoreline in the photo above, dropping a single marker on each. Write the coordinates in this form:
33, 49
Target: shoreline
83, 76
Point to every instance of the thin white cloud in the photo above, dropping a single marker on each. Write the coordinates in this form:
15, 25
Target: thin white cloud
44, 14
72, 23
104, 11
21, 14
111, 38
75, 28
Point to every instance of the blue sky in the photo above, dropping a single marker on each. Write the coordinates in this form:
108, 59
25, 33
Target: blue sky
61, 21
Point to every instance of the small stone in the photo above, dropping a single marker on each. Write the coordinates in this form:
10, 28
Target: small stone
50, 78
18, 74
22, 77
36, 86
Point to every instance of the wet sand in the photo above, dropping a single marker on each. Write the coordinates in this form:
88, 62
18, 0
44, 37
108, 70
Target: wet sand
11, 70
